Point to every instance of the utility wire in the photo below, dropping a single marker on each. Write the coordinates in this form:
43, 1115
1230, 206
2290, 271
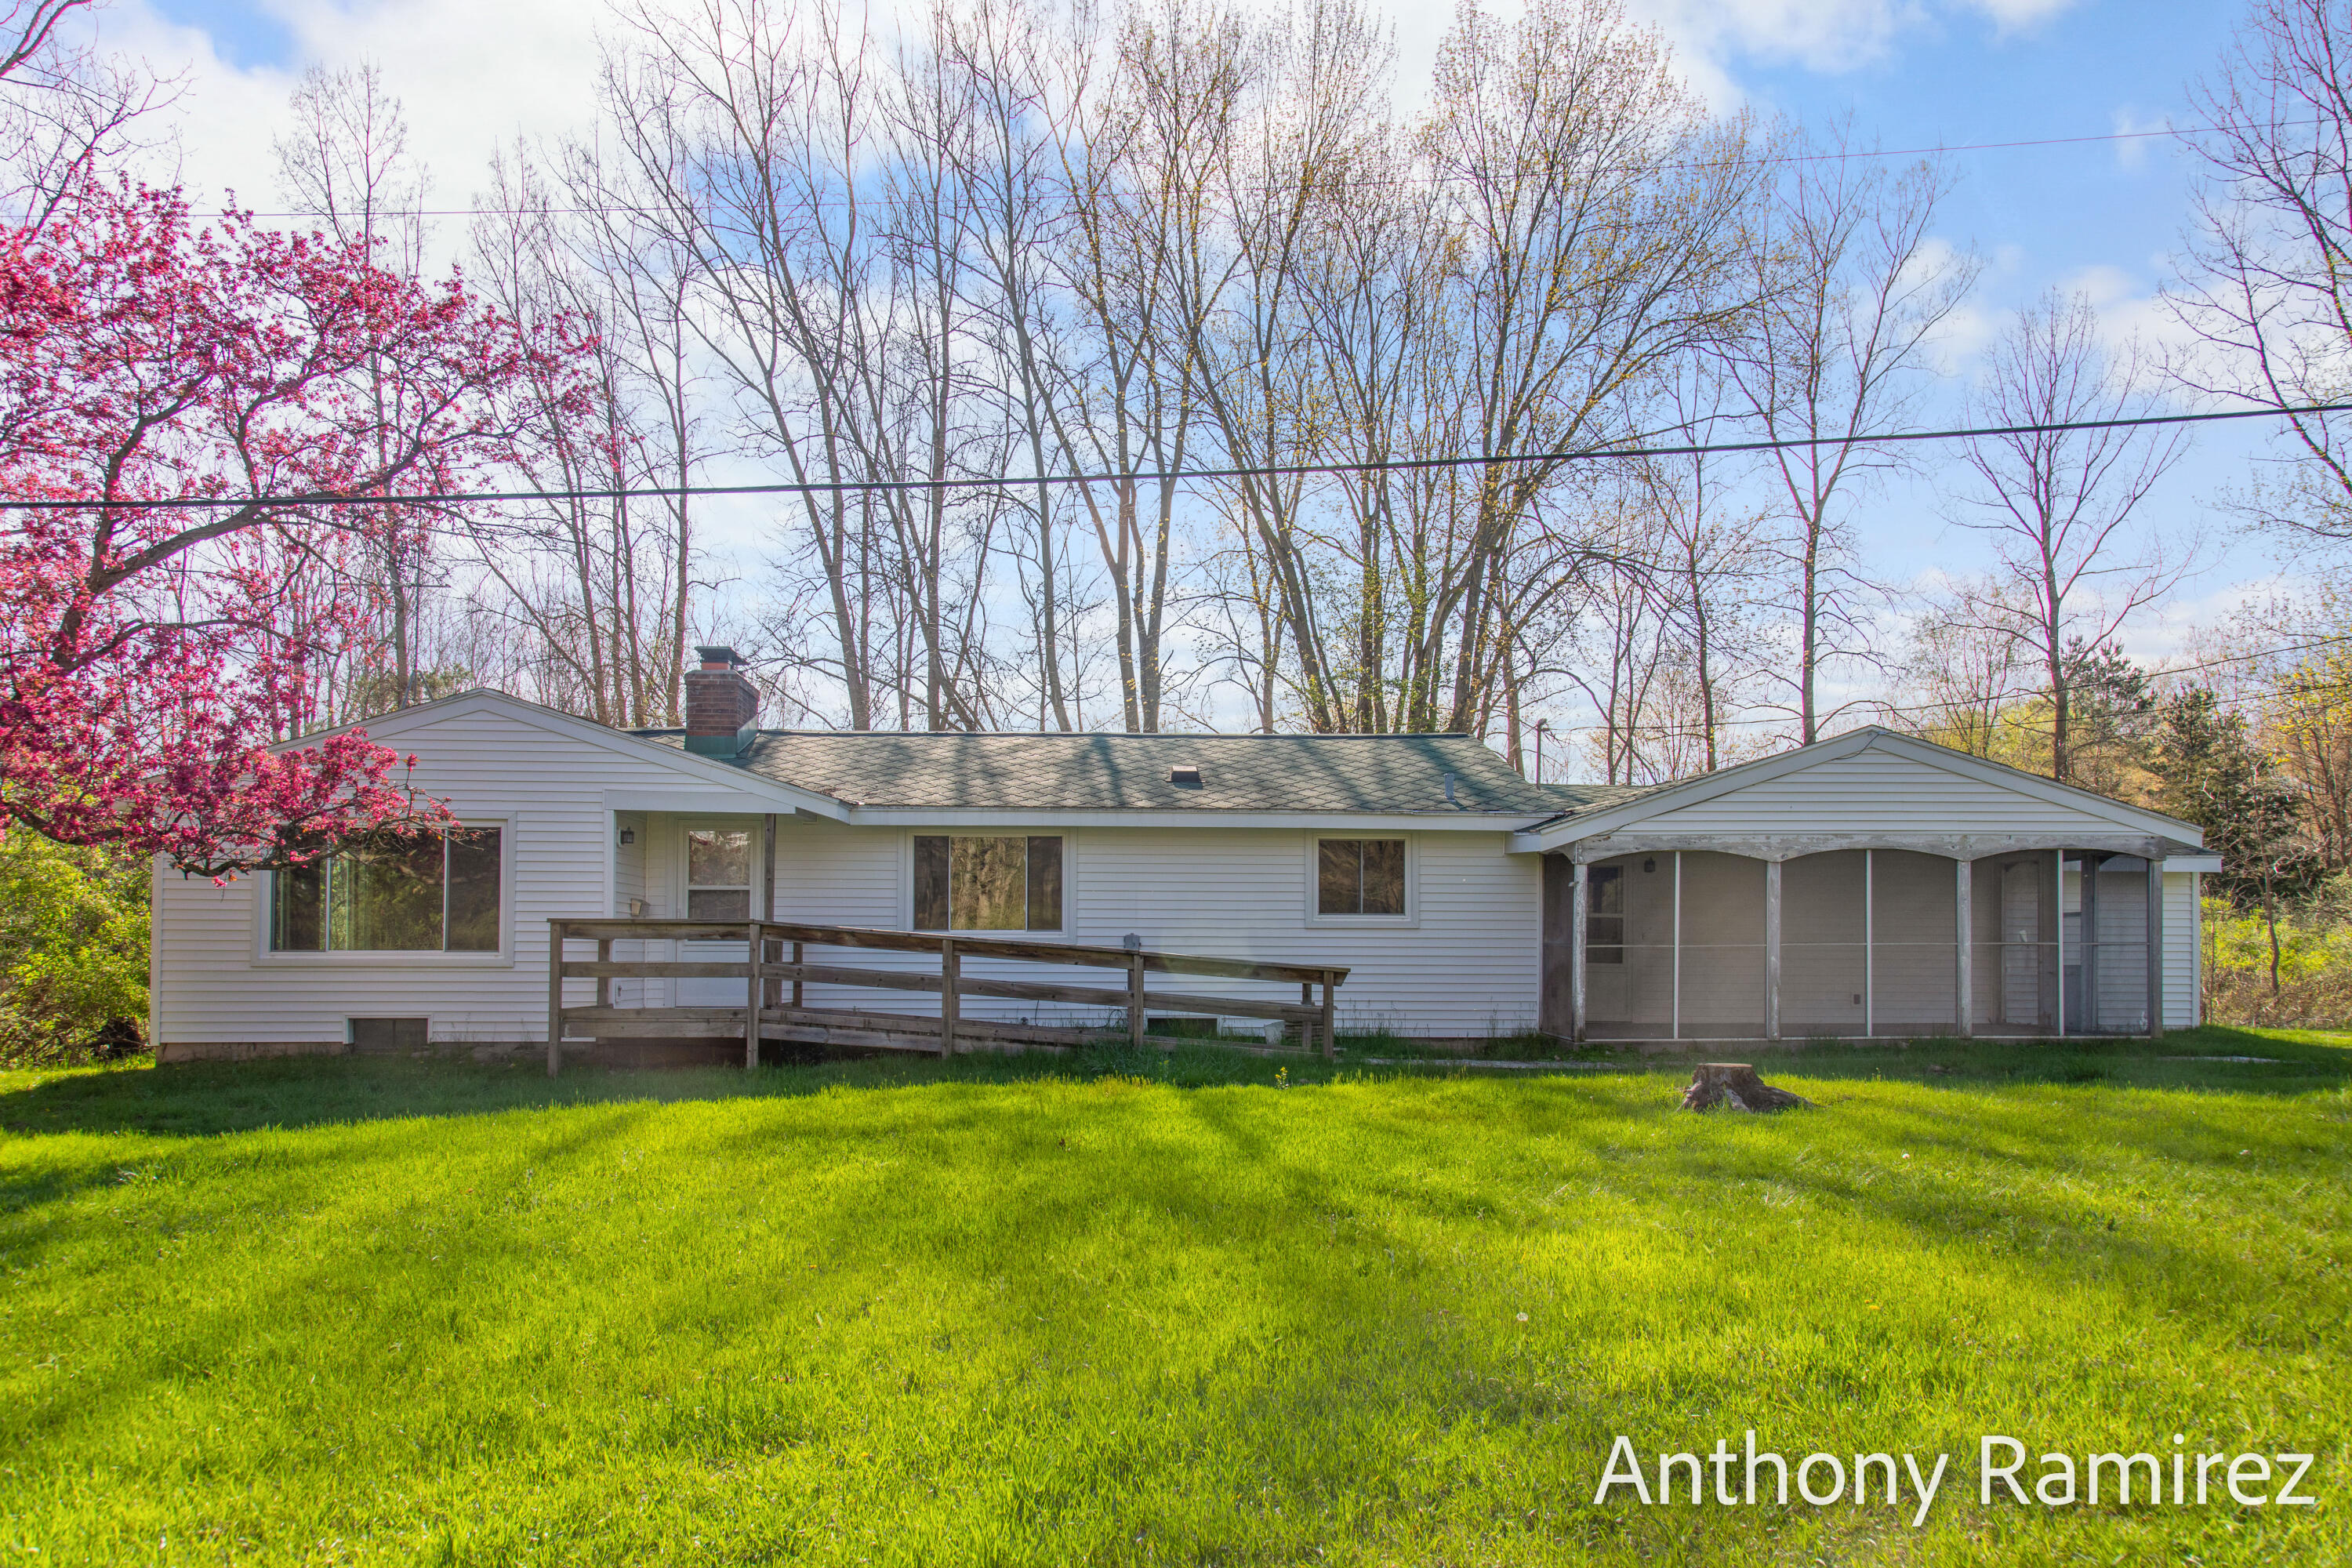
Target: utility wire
635, 210
1159, 475
1998, 701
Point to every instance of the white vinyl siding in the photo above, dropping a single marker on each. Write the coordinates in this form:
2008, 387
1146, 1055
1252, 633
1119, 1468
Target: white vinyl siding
487, 759
1470, 968
2182, 954
1874, 792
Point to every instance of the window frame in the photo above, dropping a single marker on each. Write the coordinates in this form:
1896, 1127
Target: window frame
1312, 868
1594, 880
1009, 830
265, 901
682, 892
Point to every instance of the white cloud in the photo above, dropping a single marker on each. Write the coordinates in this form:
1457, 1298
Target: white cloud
2132, 317
2020, 15
2139, 135
470, 76
1820, 34
1710, 38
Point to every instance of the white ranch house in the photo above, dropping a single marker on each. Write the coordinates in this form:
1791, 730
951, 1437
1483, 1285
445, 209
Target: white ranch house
1872, 885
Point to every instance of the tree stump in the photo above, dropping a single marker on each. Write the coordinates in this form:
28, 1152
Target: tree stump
1735, 1084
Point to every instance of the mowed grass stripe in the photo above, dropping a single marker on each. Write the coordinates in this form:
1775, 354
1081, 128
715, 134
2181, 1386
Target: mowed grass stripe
1026, 1314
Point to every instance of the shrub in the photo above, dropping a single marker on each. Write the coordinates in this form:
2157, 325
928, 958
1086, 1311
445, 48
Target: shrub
73, 950
2315, 964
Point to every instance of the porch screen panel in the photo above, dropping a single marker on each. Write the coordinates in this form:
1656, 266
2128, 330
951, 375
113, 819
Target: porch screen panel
2115, 994
1723, 946
1821, 935
1628, 957
2013, 944
1914, 940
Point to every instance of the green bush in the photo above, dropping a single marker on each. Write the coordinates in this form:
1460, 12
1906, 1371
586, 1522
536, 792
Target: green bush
73, 950
2315, 963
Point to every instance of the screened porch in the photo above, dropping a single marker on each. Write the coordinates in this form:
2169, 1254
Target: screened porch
1681, 943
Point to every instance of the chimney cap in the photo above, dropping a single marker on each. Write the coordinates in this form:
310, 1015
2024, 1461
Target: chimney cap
719, 656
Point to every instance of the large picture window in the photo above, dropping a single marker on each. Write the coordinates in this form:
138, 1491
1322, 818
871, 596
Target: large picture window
425, 893
973, 883
1360, 877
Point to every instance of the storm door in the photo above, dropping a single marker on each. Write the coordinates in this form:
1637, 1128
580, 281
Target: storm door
720, 884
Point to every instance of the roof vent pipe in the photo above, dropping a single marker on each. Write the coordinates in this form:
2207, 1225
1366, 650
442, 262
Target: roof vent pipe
723, 706
1449, 792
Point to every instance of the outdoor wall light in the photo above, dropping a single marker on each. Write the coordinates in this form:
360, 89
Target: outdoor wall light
628, 835
1651, 863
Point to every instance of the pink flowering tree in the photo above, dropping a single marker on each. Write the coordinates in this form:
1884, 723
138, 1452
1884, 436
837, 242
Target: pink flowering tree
151, 647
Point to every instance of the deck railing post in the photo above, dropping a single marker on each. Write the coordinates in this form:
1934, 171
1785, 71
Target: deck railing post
2086, 896
755, 990
554, 997
1964, 959
1869, 945
950, 974
1330, 1024
603, 982
798, 949
1135, 1020
1579, 894
2058, 934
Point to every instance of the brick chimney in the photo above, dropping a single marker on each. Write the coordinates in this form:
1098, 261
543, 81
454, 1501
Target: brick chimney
723, 706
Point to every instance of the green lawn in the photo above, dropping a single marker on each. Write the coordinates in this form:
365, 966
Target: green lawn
1131, 1310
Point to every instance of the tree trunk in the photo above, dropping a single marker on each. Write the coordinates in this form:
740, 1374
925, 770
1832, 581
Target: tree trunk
2270, 919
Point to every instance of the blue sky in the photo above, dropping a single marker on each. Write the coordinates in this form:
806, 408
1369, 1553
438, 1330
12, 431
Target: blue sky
1910, 73
2105, 216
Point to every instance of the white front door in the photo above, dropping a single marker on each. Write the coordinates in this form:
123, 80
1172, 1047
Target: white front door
722, 876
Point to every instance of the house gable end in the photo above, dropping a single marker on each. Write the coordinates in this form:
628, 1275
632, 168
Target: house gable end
1872, 783
529, 719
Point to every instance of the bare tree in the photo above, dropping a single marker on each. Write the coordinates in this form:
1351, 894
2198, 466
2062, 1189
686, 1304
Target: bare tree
1138, 143
1853, 286
2266, 289
1630, 652
346, 164
1712, 567
2057, 504
1601, 214
645, 289
593, 586
1962, 669
66, 110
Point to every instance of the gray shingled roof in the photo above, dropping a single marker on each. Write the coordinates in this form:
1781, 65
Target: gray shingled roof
1376, 773
1567, 800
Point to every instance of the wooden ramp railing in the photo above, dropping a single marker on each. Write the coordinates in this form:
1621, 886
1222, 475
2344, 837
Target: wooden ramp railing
766, 973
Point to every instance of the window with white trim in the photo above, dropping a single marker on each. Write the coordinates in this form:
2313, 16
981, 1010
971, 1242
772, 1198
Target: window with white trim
718, 874
1360, 877
431, 892
988, 882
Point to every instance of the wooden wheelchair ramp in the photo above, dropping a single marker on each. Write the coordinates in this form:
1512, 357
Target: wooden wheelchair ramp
778, 969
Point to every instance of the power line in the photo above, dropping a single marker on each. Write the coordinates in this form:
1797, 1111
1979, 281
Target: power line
1779, 158
1162, 476
1998, 701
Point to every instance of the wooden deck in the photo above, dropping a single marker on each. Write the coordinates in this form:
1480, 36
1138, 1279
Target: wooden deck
777, 970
